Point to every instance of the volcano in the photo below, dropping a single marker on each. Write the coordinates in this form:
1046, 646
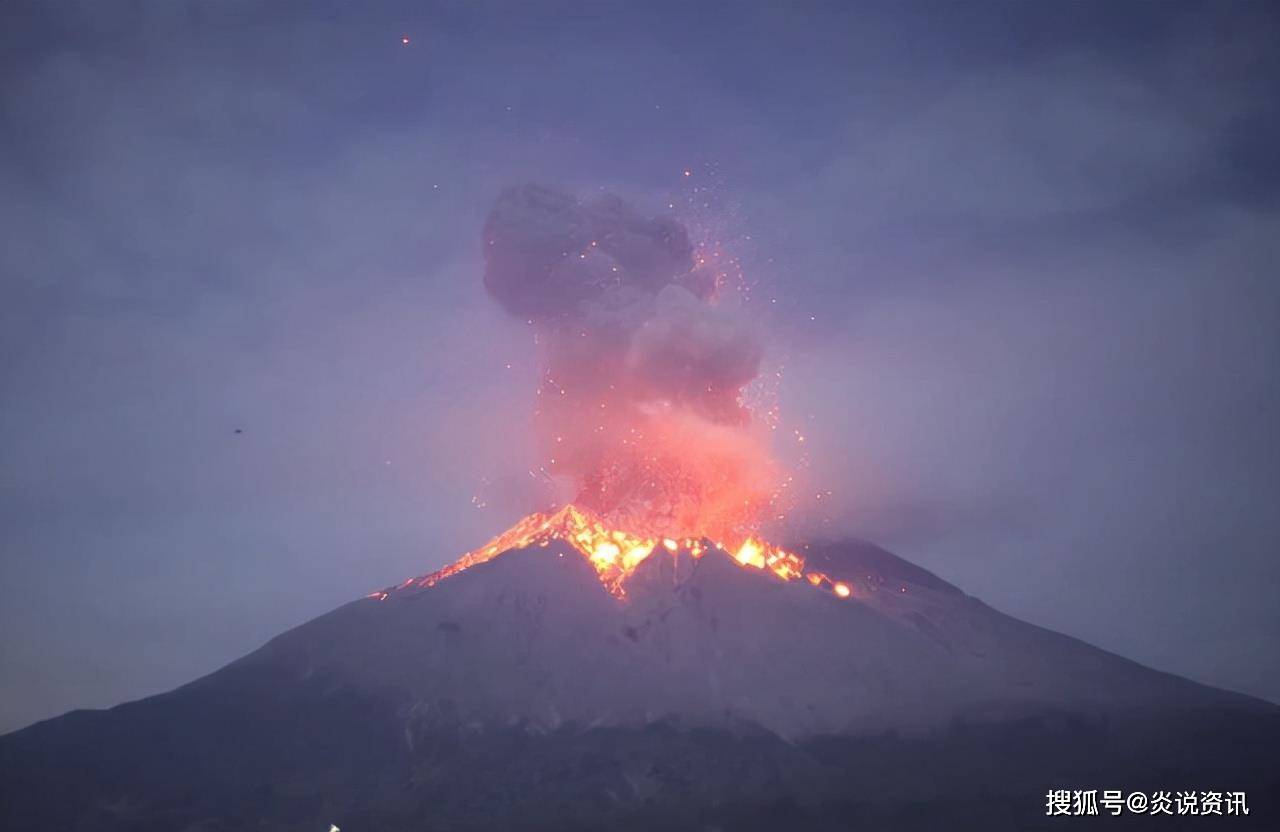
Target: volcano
568, 677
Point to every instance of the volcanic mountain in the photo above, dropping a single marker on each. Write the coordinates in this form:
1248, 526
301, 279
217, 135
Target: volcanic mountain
567, 677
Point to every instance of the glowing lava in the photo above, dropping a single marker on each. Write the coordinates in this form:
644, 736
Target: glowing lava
615, 554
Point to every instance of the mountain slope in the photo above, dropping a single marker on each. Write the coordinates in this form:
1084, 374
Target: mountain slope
520, 691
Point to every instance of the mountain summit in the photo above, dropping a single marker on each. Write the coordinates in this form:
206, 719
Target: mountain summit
529, 688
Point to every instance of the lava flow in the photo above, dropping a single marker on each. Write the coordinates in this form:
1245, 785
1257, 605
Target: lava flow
615, 554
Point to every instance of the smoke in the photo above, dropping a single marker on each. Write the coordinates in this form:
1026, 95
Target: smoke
643, 366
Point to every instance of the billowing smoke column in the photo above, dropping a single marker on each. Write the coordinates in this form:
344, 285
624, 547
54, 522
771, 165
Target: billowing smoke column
642, 369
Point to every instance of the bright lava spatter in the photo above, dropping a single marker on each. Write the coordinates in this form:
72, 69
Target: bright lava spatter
615, 554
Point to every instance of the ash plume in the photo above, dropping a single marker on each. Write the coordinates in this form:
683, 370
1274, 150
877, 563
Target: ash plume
642, 368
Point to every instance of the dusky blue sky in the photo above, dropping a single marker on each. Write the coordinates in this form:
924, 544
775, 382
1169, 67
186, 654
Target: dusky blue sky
1024, 258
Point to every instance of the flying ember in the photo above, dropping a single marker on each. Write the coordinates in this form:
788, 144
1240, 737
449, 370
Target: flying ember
647, 352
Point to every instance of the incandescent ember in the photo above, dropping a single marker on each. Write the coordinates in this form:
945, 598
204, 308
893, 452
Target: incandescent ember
615, 554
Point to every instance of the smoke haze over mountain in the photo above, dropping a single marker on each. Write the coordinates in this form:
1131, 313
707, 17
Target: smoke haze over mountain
642, 361
1023, 259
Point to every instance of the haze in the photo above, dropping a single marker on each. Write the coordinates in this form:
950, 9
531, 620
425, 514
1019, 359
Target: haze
1018, 264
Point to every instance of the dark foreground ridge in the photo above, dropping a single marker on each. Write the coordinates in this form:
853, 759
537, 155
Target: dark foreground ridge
520, 695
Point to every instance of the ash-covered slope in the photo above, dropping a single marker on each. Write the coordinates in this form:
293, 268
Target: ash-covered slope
533, 637
520, 692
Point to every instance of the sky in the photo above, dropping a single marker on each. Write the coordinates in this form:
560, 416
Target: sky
1016, 264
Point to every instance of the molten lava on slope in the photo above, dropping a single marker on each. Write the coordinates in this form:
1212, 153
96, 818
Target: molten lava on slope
615, 554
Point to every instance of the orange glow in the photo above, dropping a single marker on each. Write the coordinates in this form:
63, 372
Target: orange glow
662, 473
751, 554
615, 554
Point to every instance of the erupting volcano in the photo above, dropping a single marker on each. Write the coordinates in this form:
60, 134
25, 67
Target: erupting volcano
640, 412
640, 657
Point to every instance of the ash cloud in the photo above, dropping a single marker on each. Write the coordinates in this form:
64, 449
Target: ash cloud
549, 256
629, 331
619, 299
